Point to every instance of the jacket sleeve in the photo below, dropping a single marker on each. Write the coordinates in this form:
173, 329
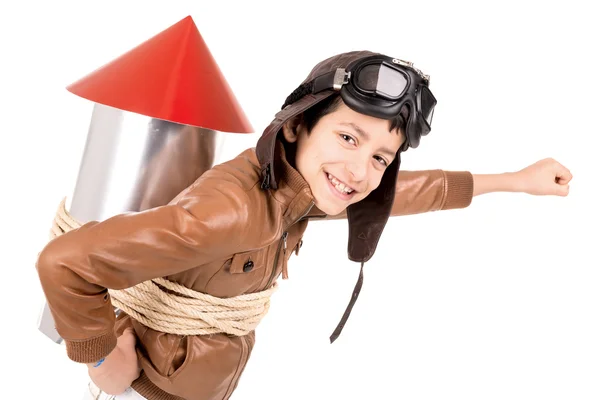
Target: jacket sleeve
434, 190
424, 191
205, 222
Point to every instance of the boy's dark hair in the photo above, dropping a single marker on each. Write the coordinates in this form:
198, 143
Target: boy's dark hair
311, 117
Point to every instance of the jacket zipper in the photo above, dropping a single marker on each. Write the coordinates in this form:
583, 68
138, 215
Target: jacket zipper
283, 242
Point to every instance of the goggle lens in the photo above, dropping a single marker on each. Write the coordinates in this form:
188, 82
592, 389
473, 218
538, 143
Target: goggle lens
382, 80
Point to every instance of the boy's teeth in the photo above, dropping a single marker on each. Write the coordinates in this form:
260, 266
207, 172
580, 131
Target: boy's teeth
338, 185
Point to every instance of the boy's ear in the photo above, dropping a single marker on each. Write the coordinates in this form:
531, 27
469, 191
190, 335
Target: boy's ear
291, 129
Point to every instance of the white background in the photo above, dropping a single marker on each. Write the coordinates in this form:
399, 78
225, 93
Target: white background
496, 301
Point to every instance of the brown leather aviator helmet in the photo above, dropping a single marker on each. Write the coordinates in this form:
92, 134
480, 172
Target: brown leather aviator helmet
375, 85
368, 217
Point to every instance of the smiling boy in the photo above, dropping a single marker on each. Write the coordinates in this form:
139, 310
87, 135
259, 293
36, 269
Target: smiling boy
344, 156
333, 151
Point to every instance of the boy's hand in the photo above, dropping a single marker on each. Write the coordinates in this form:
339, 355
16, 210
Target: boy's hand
545, 177
120, 368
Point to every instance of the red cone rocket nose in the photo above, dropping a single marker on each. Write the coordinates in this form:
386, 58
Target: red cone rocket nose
171, 76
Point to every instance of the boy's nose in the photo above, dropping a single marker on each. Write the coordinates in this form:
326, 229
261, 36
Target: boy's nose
358, 172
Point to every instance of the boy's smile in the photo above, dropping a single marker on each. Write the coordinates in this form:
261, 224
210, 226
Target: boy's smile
344, 157
340, 188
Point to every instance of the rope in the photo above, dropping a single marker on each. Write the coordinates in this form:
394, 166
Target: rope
185, 312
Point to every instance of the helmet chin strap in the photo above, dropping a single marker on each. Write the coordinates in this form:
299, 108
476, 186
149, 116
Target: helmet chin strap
338, 330
367, 219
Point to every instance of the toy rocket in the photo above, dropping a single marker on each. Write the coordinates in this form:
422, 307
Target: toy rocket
154, 128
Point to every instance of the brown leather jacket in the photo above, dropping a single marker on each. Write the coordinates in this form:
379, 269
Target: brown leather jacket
203, 240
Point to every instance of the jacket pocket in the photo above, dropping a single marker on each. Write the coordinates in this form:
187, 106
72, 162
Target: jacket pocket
181, 358
165, 355
242, 273
211, 370
249, 261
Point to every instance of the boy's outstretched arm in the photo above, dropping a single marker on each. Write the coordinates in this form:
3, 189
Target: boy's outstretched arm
545, 177
423, 191
433, 190
210, 220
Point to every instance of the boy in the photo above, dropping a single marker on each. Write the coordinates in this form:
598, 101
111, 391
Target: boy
206, 263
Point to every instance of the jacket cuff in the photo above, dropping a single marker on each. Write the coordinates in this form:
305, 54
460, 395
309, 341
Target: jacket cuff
459, 189
91, 350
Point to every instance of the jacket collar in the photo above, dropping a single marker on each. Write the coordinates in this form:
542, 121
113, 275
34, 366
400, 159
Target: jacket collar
293, 189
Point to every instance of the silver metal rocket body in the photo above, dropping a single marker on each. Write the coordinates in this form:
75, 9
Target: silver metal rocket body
132, 163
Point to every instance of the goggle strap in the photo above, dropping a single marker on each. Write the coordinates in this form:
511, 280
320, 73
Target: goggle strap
297, 94
325, 82
331, 80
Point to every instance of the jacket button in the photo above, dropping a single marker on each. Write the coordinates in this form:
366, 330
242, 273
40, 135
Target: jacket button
248, 266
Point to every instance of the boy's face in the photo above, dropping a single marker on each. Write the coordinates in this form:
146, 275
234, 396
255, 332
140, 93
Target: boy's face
344, 157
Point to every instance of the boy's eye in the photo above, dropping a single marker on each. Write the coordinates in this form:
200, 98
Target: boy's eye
381, 161
347, 138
